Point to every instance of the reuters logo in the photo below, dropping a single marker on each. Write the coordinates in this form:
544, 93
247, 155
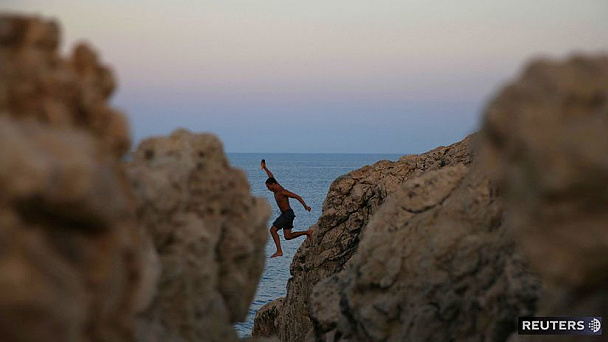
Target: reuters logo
595, 325
559, 326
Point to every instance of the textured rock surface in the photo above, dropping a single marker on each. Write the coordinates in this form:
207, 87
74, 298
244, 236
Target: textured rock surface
75, 264
209, 232
324, 306
350, 202
435, 264
38, 85
265, 323
69, 243
72, 259
546, 142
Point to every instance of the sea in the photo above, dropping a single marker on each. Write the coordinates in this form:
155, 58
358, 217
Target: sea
308, 175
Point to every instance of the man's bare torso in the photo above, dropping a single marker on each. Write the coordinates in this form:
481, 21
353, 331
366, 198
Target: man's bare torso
282, 201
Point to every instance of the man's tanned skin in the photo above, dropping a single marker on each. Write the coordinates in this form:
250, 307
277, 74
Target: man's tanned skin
285, 221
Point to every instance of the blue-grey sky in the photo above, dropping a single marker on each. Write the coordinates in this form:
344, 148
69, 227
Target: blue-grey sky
361, 76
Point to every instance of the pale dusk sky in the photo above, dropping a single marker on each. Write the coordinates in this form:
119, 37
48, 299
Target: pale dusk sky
319, 76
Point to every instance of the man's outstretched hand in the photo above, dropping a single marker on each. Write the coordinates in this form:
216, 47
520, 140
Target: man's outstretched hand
263, 164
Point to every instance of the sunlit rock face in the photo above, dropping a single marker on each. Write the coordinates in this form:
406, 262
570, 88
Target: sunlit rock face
40, 85
73, 261
178, 242
435, 263
209, 232
351, 202
70, 248
546, 143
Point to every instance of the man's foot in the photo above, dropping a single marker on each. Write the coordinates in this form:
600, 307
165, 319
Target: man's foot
277, 254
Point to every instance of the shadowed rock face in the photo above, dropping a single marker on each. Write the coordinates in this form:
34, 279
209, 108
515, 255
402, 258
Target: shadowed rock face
39, 85
70, 258
75, 263
435, 264
438, 262
351, 201
546, 143
209, 232
265, 324
71, 253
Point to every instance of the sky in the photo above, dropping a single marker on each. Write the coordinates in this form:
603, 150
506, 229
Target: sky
319, 76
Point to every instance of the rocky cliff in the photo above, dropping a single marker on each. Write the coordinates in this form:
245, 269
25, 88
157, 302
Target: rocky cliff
71, 255
71, 251
546, 143
443, 255
77, 261
209, 232
435, 263
351, 201
40, 85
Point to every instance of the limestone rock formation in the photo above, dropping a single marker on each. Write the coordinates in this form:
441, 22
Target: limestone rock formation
209, 232
69, 244
351, 201
435, 263
324, 306
39, 85
72, 256
265, 323
75, 262
546, 142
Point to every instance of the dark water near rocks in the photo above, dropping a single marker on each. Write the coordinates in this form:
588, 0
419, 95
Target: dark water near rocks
308, 175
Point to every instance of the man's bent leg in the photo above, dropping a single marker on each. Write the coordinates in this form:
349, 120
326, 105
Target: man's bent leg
277, 242
289, 235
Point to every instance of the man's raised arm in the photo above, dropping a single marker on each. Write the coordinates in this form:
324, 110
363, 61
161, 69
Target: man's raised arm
263, 164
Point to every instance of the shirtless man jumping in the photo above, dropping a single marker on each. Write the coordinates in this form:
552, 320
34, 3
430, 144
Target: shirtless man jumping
285, 221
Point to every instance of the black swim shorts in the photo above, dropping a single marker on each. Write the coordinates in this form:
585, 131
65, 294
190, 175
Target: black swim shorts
285, 220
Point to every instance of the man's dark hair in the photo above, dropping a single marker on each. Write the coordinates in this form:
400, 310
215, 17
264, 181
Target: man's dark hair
271, 180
